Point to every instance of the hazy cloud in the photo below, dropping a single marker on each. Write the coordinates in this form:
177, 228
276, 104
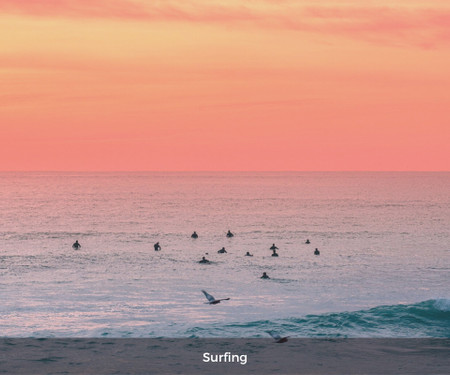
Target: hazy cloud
420, 25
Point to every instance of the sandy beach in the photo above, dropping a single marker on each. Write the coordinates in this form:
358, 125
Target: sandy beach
185, 356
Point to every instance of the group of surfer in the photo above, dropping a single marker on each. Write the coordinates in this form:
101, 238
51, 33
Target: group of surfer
274, 249
157, 247
229, 234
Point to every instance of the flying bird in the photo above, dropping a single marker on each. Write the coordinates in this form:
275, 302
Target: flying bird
278, 339
212, 300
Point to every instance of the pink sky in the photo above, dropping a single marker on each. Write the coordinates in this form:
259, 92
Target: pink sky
224, 85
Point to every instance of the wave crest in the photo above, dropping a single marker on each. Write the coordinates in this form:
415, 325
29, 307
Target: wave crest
429, 318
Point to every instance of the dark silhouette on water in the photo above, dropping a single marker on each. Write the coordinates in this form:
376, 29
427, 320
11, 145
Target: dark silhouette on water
273, 247
307, 242
194, 235
229, 234
274, 253
204, 260
76, 245
316, 252
265, 276
157, 246
212, 300
248, 254
222, 251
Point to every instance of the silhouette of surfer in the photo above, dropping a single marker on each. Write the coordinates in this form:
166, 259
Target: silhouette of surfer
265, 276
316, 252
229, 234
157, 246
222, 251
307, 242
76, 245
194, 235
248, 254
204, 260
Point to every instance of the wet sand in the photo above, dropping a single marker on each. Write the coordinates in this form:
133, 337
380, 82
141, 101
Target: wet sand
185, 356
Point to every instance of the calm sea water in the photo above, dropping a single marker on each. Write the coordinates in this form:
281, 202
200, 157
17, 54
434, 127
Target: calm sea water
384, 267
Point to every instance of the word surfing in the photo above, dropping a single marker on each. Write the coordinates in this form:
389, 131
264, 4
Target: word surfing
225, 358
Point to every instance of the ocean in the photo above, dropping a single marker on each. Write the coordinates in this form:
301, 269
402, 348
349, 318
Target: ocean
383, 268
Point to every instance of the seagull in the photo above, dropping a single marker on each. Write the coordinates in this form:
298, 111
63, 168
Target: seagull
212, 300
278, 339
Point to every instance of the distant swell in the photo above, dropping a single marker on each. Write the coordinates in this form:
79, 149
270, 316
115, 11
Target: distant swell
424, 319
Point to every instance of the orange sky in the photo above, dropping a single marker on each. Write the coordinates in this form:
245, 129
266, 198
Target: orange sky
224, 85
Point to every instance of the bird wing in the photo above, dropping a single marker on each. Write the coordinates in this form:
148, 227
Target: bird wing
276, 336
208, 296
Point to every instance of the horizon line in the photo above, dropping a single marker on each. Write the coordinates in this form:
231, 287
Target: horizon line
218, 171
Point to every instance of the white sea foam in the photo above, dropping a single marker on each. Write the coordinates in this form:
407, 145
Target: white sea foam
442, 304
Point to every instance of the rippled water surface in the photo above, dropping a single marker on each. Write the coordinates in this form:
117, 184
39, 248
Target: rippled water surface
384, 240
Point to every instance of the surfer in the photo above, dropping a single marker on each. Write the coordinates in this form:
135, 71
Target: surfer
222, 251
157, 246
316, 252
248, 254
194, 235
229, 234
265, 276
307, 242
76, 245
273, 247
204, 260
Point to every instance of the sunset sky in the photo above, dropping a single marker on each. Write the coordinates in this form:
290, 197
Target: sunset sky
224, 85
